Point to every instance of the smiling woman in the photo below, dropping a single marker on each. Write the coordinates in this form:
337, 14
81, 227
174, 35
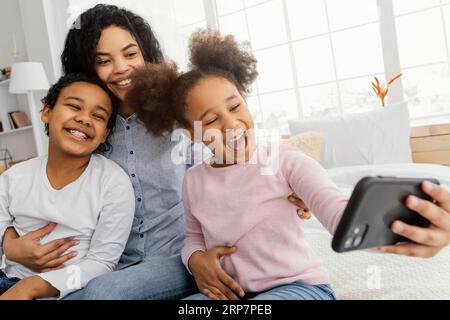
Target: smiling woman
115, 63
110, 43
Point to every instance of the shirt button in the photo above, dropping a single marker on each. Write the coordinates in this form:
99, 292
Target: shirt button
131, 152
141, 235
139, 199
128, 127
133, 175
142, 222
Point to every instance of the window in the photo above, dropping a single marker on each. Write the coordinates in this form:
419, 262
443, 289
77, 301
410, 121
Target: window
317, 58
423, 31
314, 58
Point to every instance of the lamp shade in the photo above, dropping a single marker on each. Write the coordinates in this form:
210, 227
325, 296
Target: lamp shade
27, 76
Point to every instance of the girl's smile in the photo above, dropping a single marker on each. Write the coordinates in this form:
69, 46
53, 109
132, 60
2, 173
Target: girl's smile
227, 124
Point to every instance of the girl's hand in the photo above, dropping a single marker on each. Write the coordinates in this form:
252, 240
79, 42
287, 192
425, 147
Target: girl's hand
303, 210
427, 242
28, 251
211, 280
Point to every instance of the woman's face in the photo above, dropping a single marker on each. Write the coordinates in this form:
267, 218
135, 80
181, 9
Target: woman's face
118, 55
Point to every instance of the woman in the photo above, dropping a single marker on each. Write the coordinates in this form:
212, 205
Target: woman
111, 43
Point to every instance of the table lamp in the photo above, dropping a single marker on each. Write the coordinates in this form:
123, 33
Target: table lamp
27, 77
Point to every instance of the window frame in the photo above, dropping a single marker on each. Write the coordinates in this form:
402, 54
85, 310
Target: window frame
389, 43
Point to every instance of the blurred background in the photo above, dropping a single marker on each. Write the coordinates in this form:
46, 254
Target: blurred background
317, 58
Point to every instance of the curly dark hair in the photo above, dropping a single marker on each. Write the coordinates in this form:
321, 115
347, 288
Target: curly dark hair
65, 81
159, 91
81, 42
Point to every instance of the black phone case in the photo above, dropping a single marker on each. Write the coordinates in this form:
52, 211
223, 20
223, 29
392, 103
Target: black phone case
376, 202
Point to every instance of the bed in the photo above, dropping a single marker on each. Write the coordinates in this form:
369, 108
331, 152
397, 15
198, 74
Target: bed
380, 143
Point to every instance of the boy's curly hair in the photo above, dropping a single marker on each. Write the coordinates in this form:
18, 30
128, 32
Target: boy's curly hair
159, 91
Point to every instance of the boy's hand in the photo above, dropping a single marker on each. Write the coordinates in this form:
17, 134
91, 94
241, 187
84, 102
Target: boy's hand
16, 292
211, 280
303, 210
427, 242
30, 288
28, 251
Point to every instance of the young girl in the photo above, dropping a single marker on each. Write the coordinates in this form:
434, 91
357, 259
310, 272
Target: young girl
236, 213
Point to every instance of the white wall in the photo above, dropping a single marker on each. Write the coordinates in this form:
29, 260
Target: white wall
11, 23
56, 17
20, 144
41, 46
39, 37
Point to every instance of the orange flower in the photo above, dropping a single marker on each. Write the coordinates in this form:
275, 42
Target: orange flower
381, 90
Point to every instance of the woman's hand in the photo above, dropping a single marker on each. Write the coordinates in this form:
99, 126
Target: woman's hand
211, 280
427, 242
28, 251
303, 210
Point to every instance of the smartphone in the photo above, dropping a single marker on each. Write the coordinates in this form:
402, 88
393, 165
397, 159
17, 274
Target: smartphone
376, 202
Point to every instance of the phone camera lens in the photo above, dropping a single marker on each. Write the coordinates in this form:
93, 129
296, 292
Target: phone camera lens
357, 241
348, 243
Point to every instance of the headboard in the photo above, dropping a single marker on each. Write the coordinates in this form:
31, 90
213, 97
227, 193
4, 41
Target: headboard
431, 144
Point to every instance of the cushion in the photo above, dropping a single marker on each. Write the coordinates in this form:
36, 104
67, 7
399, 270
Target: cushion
364, 275
375, 137
308, 142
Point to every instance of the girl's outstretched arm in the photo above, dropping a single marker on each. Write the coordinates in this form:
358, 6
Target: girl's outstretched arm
310, 181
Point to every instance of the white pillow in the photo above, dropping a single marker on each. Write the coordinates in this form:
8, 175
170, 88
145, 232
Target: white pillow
360, 275
375, 137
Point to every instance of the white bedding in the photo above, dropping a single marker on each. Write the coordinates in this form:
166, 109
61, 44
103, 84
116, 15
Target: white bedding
347, 177
366, 275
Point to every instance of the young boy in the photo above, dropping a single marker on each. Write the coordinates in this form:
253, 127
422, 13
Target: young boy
89, 197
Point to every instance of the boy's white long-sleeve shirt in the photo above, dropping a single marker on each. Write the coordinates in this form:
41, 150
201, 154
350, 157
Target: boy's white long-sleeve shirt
97, 209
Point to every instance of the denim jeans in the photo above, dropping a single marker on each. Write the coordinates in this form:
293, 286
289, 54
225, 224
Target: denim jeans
160, 278
292, 291
6, 283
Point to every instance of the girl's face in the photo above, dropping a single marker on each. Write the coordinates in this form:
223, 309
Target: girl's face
78, 122
118, 55
224, 119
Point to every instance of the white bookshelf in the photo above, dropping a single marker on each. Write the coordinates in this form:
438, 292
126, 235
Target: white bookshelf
19, 142
10, 132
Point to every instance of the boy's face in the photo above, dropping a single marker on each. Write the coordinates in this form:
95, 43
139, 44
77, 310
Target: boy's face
226, 123
77, 123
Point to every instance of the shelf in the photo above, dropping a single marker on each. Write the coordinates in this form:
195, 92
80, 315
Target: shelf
4, 81
15, 130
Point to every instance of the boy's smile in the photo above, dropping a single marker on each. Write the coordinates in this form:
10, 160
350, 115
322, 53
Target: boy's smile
78, 121
79, 134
